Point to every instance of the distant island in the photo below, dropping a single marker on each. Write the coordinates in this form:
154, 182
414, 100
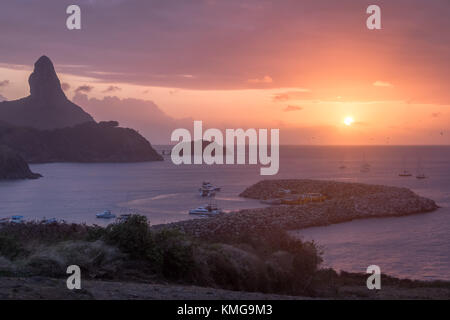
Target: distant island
47, 127
13, 166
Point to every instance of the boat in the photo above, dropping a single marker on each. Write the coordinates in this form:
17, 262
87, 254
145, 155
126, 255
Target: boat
16, 219
105, 215
13, 219
342, 165
49, 221
405, 173
420, 173
365, 166
166, 152
208, 190
206, 210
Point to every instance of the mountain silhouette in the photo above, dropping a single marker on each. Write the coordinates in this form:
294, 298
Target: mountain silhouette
47, 127
47, 107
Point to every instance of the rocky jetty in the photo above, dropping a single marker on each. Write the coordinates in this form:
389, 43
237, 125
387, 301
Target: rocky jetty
344, 202
47, 107
13, 166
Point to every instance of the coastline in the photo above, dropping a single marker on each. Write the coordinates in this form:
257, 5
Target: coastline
238, 244
344, 202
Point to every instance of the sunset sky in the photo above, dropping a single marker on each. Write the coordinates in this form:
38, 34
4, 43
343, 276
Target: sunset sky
301, 66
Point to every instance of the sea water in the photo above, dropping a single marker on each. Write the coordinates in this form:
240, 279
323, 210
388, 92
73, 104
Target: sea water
416, 246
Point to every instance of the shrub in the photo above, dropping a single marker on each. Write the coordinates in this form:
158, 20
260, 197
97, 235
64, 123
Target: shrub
132, 237
10, 248
176, 253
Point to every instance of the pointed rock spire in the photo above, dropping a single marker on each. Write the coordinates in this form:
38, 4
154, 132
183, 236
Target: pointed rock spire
44, 83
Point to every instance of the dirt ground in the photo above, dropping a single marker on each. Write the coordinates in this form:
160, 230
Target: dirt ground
37, 288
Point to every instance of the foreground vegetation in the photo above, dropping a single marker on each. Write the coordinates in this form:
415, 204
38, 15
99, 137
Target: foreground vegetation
131, 251
268, 261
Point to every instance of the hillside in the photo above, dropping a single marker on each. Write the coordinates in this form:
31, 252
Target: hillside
88, 142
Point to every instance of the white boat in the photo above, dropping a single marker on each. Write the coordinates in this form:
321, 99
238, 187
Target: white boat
208, 190
16, 219
13, 219
105, 215
49, 221
207, 210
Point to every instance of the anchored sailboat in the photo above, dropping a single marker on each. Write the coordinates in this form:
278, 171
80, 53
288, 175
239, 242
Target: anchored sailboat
420, 171
405, 172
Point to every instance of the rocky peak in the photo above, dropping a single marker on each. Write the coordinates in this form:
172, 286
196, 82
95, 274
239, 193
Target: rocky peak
47, 107
44, 83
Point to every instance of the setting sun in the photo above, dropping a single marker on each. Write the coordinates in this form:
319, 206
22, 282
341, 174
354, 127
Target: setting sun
348, 121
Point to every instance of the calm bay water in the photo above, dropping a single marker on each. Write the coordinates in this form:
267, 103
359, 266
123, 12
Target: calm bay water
414, 247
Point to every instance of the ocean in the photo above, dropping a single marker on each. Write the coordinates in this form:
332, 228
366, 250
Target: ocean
416, 247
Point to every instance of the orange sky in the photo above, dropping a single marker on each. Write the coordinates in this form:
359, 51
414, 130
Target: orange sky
300, 68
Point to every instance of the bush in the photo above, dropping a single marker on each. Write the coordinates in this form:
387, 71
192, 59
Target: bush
11, 248
132, 237
176, 253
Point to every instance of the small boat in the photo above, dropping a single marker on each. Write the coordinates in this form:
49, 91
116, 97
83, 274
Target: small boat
405, 173
166, 152
365, 166
208, 190
105, 215
207, 210
13, 219
49, 221
420, 172
16, 219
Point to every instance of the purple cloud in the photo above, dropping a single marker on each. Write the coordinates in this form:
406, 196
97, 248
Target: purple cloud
84, 89
225, 43
112, 89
